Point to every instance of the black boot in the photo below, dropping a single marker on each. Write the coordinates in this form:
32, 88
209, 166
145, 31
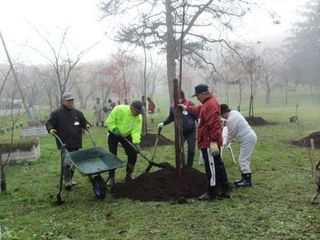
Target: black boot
239, 180
210, 194
246, 182
225, 193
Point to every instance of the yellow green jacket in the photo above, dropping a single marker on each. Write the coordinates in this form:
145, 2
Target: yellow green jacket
122, 118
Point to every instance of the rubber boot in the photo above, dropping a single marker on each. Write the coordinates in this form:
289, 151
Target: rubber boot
246, 182
111, 181
239, 180
209, 195
68, 174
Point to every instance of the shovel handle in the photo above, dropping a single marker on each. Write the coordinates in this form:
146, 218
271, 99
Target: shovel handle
131, 144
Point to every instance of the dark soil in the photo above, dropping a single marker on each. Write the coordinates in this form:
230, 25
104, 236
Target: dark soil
256, 121
305, 142
149, 140
163, 186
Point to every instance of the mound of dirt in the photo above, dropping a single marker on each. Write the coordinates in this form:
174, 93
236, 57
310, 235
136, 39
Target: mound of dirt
163, 186
149, 140
305, 142
256, 121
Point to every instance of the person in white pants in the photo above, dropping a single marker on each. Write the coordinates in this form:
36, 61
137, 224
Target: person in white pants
239, 128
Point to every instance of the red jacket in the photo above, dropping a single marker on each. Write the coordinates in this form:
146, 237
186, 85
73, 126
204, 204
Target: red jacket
151, 107
209, 128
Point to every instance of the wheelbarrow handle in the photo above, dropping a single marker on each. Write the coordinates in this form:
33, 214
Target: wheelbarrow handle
58, 138
91, 138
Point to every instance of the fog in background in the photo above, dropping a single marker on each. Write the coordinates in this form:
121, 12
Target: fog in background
59, 46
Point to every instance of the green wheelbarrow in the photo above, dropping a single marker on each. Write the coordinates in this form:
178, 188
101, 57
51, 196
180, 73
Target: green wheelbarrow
90, 162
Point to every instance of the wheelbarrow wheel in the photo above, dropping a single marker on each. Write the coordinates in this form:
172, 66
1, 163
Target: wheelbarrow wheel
99, 187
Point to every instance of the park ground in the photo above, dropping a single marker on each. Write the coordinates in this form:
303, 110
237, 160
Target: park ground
276, 207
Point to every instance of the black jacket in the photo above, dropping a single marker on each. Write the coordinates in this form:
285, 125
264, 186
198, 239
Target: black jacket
188, 121
69, 124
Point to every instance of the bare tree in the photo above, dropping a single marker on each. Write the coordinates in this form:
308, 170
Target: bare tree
25, 105
14, 118
272, 64
60, 60
159, 21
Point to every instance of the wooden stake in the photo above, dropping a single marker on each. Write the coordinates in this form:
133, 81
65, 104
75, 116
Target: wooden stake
177, 128
144, 117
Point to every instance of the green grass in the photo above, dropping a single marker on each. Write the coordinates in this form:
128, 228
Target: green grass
276, 207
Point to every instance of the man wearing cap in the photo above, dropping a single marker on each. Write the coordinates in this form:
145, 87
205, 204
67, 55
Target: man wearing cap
239, 128
67, 123
210, 141
125, 122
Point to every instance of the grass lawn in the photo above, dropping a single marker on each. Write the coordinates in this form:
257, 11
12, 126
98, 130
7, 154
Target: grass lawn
276, 207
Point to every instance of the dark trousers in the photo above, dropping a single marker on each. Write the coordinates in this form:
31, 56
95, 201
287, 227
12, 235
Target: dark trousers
113, 141
68, 168
191, 141
215, 170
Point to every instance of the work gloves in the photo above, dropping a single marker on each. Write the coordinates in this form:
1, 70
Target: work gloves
160, 125
214, 149
116, 131
52, 131
183, 107
138, 147
88, 127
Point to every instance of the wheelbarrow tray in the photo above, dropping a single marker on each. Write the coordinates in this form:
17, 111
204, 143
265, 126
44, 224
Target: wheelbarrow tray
94, 160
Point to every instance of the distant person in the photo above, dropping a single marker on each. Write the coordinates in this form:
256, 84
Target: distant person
151, 109
126, 101
210, 141
239, 128
98, 112
68, 122
188, 127
125, 122
109, 106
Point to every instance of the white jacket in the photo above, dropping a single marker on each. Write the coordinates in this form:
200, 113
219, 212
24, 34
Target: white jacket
238, 127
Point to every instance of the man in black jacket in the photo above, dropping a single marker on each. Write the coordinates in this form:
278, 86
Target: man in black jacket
188, 127
68, 122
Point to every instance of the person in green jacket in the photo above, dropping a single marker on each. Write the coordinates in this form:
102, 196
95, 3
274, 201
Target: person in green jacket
125, 122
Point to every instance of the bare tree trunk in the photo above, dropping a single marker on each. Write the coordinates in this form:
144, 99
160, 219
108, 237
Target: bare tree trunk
3, 183
286, 92
144, 92
177, 130
144, 118
124, 83
251, 96
227, 93
170, 49
268, 94
240, 96
81, 97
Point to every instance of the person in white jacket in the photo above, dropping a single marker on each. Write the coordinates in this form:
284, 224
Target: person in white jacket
239, 128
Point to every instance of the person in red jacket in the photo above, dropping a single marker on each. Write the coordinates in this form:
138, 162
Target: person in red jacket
151, 109
210, 141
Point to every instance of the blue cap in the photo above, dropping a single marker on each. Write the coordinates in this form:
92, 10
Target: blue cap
200, 89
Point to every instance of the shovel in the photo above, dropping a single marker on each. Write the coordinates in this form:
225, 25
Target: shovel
151, 163
154, 151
